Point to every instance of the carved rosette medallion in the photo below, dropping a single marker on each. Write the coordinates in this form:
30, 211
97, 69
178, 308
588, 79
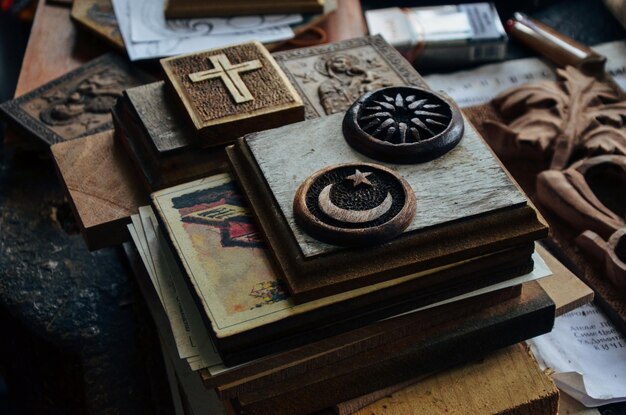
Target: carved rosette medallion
354, 204
403, 125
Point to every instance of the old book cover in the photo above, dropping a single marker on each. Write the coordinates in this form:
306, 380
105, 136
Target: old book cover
75, 105
228, 267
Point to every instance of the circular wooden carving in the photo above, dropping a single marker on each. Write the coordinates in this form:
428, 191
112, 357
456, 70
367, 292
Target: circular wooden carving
403, 125
354, 204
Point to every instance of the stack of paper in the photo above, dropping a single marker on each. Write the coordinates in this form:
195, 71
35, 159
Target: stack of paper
147, 34
188, 329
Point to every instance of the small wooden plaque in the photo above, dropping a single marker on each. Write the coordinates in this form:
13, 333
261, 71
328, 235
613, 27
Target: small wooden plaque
98, 17
159, 142
101, 186
232, 91
467, 206
75, 105
329, 78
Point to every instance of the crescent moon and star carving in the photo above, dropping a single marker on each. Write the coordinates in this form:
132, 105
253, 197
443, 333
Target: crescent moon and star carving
354, 204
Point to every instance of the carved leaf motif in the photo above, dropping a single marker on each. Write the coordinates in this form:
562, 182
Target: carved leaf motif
575, 115
605, 140
513, 102
539, 128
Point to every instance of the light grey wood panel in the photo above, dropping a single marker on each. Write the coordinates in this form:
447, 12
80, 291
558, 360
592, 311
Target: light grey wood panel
465, 182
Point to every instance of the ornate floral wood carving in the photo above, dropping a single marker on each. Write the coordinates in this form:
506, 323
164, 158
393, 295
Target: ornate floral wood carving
578, 124
576, 116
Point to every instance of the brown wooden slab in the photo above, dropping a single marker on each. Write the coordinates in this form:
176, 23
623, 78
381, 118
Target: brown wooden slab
329, 78
458, 340
172, 168
164, 129
266, 371
334, 270
76, 104
566, 290
345, 349
101, 186
220, 252
195, 8
97, 17
228, 92
482, 388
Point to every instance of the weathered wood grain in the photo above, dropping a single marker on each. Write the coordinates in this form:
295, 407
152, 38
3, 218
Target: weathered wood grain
182, 162
507, 382
165, 130
101, 187
205, 86
343, 269
467, 181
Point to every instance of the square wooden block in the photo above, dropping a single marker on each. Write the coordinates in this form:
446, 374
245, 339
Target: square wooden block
101, 186
467, 207
231, 91
159, 142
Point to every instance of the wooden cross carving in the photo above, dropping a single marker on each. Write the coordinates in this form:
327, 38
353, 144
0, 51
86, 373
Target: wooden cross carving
230, 75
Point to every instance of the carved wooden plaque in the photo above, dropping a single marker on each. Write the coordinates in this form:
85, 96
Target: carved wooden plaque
465, 182
98, 17
403, 124
228, 92
76, 104
331, 77
165, 129
466, 207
